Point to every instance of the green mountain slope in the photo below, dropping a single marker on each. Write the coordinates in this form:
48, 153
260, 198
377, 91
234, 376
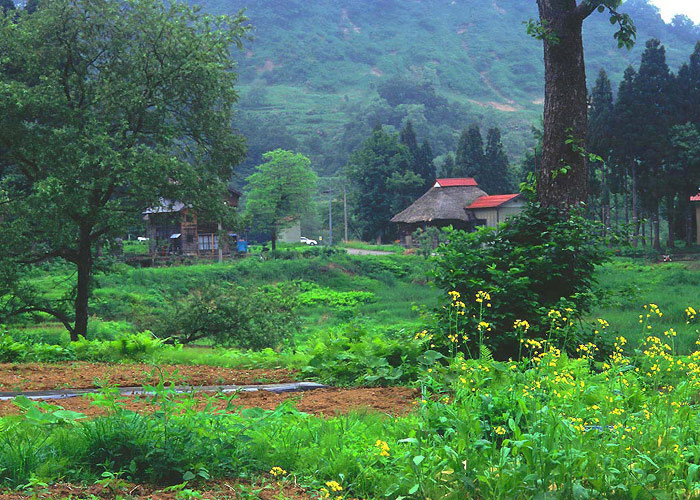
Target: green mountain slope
320, 73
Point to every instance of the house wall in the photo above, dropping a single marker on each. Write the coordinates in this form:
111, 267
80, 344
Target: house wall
497, 215
291, 234
161, 226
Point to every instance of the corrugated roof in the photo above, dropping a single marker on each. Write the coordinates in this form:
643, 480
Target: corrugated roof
695, 198
492, 201
456, 182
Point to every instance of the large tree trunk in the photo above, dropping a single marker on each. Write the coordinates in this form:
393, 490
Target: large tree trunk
562, 179
84, 265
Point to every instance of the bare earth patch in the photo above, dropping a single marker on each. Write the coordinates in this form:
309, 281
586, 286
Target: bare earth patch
80, 375
326, 402
213, 490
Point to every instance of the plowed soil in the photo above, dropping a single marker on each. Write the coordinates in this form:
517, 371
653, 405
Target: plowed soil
216, 490
328, 402
16, 377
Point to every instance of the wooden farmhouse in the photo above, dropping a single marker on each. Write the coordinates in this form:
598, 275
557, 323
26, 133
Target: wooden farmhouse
173, 228
459, 203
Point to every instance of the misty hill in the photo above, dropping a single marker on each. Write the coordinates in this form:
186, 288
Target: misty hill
320, 73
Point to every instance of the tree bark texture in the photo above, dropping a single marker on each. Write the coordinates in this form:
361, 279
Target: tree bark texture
84, 264
565, 107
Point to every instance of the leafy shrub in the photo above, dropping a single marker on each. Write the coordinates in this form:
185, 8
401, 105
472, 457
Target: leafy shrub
312, 294
356, 354
534, 263
134, 347
237, 316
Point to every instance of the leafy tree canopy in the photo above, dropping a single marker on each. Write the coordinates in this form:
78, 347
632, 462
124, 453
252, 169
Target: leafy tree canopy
280, 191
380, 175
107, 106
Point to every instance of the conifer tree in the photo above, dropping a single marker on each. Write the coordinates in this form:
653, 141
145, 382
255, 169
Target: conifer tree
380, 176
449, 167
407, 137
421, 159
497, 181
652, 86
686, 94
625, 134
470, 152
426, 166
600, 116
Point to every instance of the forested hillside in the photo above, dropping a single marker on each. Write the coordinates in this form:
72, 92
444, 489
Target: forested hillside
320, 73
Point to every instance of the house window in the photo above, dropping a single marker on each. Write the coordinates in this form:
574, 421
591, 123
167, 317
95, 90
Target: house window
190, 238
208, 242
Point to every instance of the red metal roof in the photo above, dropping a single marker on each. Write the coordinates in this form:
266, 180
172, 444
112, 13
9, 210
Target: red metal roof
695, 198
492, 201
464, 181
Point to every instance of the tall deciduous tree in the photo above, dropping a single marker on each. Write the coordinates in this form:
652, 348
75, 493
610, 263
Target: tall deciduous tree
279, 192
562, 178
106, 106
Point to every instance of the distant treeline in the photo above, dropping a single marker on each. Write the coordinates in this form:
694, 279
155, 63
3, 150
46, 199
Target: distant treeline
648, 141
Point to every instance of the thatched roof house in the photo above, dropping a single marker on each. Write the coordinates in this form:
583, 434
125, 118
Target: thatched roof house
445, 204
454, 202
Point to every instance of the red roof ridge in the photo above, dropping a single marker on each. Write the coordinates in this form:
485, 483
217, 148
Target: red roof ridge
455, 182
492, 201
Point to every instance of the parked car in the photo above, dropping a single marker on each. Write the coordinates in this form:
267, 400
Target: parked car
308, 241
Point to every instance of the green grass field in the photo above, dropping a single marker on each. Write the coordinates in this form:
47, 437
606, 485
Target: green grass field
550, 425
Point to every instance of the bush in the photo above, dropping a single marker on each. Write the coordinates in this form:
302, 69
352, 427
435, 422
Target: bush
236, 316
535, 263
356, 354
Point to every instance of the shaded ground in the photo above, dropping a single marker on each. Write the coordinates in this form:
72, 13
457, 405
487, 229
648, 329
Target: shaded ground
80, 375
267, 489
392, 400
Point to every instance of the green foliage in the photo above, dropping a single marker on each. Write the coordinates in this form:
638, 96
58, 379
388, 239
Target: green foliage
312, 294
280, 191
359, 354
135, 108
135, 347
529, 266
380, 63
375, 171
236, 316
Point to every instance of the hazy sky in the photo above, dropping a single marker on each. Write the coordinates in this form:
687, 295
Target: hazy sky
669, 8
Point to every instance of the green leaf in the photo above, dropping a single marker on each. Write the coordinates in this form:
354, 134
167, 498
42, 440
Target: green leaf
418, 459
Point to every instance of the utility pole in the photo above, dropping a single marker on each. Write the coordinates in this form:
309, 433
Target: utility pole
330, 216
345, 212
